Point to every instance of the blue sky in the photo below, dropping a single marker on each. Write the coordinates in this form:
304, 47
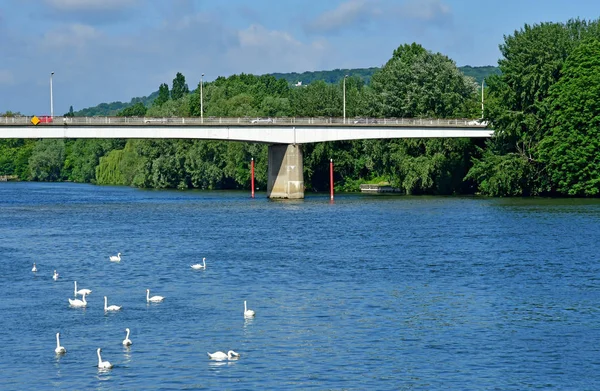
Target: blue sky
108, 50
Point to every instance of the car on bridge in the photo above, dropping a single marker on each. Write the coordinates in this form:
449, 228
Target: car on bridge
364, 121
262, 121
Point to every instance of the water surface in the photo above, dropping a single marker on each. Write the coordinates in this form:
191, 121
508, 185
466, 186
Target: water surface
411, 293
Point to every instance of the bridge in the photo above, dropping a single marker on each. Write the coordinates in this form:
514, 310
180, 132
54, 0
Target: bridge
284, 135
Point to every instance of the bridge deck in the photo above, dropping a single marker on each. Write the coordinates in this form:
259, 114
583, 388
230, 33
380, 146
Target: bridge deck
273, 131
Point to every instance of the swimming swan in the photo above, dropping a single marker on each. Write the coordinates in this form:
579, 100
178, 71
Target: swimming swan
116, 258
197, 266
34, 269
220, 356
103, 364
248, 313
127, 341
82, 291
153, 299
55, 276
111, 307
77, 302
59, 349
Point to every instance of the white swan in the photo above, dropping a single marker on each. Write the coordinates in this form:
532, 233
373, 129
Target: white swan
59, 349
220, 356
34, 268
103, 364
77, 302
110, 307
197, 266
55, 276
248, 313
127, 341
153, 299
82, 291
115, 258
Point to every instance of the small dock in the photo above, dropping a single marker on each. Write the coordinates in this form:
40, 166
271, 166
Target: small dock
378, 189
6, 178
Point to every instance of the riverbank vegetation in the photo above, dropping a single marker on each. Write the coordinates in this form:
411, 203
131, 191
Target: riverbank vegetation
543, 107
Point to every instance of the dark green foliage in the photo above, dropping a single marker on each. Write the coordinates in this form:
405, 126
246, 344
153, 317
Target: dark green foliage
416, 83
571, 146
180, 88
518, 105
110, 109
163, 95
47, 160
137, 110
365, 74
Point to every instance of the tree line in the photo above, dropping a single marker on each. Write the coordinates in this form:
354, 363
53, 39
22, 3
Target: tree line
542, 105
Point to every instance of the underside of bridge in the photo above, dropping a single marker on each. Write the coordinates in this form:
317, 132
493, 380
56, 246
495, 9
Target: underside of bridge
286, 180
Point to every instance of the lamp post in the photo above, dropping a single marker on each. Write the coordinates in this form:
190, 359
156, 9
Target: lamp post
345, 76
51, 97
483, 81
201, 102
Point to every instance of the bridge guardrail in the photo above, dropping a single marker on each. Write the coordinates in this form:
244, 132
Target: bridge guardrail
246, 121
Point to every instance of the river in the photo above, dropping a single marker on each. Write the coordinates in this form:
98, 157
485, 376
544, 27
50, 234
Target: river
368, 292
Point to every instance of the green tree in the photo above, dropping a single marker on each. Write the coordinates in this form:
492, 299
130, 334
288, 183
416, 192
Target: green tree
532, 59
137, 110
163, 95
47, 160
180, 88
415, 83
571, 146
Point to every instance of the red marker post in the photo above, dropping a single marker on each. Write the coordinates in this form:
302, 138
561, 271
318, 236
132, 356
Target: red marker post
252, 176
331, 178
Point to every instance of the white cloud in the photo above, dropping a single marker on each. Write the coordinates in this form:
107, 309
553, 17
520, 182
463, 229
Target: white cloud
425, 10
347, 14
90, 5
266, 51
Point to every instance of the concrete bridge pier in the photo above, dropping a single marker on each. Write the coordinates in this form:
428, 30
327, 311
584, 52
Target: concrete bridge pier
286, 177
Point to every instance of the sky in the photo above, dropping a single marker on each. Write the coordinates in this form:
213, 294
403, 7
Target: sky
114, 50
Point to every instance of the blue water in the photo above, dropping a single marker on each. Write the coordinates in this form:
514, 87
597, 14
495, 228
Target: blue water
404, 293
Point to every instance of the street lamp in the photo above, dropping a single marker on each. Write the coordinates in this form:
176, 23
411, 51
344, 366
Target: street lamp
345, 77
51, 98
201, 103
483, 81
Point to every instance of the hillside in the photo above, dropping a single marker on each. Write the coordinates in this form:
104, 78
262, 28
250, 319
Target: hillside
331, 77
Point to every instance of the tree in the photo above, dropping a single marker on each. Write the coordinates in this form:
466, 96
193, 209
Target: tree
47, 160
137, 110
71, 113
415, 82
571, 146
180, 88
163, 95
532, 61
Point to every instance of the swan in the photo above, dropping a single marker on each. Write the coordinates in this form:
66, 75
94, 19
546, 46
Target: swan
77, 302
55, 276
82, 291
127, 341
110, 307
220, 356
59, 349
153, 299
248, 313
197, 266
103, 364
34, 268
115, 258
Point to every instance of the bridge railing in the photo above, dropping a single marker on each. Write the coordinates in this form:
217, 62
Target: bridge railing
245, 121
